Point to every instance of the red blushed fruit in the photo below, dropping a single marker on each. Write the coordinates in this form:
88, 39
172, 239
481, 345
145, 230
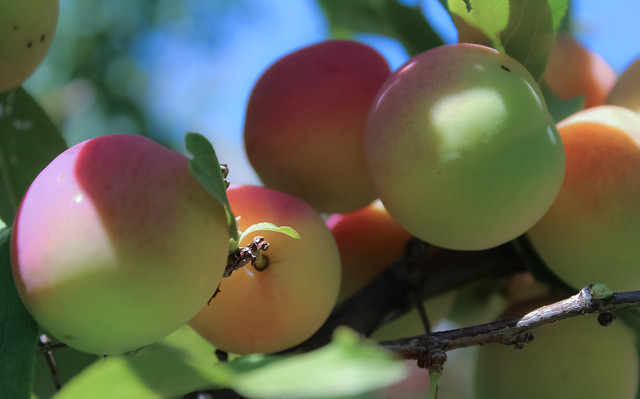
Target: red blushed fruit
115, 244
573, 70
305, 123
369, 241
590, 233
271, 310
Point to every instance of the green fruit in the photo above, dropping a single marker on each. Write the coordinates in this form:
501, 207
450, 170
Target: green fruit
461, 148
26, 31
575, 358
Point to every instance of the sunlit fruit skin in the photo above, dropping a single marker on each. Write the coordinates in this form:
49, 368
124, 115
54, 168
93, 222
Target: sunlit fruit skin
115, 244
369, 241
277, 308
626, 90
574, 70
305, 123
574, 358
461, 148
27, 28
590, 233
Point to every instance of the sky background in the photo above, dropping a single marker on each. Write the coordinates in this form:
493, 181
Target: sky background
198, 69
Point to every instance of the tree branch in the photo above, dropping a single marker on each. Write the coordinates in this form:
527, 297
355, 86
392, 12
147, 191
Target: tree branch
429, 348
424, 272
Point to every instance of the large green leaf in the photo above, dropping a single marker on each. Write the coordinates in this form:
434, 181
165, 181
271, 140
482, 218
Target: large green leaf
482, 23
184, 362
28, 142
206, 168
524, 29
180, 363
530, 34
18, 332
347, 366
382, 17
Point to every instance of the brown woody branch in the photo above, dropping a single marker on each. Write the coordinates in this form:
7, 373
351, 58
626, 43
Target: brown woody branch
430, 348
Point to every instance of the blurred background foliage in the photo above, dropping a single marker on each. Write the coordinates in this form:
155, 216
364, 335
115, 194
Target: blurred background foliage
161, 67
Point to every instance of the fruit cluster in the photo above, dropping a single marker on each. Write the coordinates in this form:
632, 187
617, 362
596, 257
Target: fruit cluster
116, 243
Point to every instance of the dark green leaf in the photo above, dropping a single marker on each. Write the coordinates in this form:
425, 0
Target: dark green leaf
206, 168
559, 108
411, 28
28, 142
18, 332
529, 35
382, 17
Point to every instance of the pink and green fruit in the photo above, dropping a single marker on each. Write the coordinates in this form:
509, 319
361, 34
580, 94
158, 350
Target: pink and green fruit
305, 123
284, 304
626, 90
574, 358
27, 30
115, 244
369, 241
461, 147
589, 235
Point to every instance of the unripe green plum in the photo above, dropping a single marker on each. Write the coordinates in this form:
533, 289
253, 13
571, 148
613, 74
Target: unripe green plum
265, 311
27, 28
574, 358
116, 244
305, 122
590, 233
461, 147
626, 90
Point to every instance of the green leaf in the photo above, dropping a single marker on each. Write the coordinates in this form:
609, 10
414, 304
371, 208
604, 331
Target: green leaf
558, 107
530, 35
181, 363
18, 332
347, 366
2, 224
485, 19
558, 11
28, 142
382, 17
411, 28
206, 168
267, 226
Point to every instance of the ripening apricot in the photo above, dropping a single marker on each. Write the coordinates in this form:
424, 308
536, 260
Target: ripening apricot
589, 235
574, 70
116, 244
305, 123
461, 148
369, 241
27, 28
264, 311
574, 358
626, 90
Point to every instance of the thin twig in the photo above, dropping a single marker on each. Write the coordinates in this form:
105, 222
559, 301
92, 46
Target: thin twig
512, 331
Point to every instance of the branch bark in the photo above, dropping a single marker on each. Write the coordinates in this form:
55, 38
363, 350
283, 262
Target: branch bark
429, 348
